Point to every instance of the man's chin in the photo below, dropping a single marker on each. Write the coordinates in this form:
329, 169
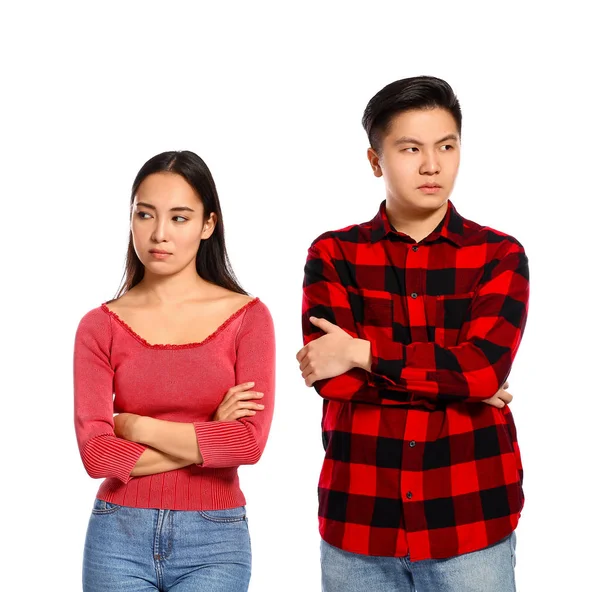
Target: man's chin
419, 203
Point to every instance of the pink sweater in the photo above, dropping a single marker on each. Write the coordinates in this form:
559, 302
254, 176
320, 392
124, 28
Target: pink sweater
184, 383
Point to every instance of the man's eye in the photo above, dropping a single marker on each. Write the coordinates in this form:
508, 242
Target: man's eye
447, 147
412, 148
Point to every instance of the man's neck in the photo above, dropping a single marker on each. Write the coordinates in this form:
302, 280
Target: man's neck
415, 223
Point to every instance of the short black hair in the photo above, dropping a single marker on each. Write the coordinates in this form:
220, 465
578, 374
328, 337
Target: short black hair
419, 92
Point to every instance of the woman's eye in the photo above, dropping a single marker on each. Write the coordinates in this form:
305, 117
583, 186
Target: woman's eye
181, 219
142, 214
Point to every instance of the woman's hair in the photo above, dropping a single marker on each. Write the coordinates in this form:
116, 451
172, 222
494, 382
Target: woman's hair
419, 92
212, 262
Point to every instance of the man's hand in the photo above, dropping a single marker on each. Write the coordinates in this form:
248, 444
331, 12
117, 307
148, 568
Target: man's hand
501, 398
330, 355
127, 426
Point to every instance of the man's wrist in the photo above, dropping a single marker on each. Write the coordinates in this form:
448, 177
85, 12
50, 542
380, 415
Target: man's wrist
360, 354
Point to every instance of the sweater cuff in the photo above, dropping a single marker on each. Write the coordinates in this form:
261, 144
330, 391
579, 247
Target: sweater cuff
109, 456
225, 444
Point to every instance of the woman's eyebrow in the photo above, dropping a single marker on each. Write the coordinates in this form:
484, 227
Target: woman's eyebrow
175, 209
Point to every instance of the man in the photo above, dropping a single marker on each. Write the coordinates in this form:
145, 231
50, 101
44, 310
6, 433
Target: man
411, 322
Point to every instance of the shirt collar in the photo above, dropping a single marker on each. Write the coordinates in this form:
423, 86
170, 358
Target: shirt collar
451, 227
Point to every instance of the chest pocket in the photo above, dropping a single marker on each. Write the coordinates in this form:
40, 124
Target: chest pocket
373, 311
452, 315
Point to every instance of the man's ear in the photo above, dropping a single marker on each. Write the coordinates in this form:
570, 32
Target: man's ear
374, 161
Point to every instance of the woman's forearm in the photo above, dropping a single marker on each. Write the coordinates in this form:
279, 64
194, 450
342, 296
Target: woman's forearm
154, 461
173, 438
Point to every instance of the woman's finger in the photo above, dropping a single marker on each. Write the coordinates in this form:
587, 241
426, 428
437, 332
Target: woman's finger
248, 395
238, 414
237, 389
248, 405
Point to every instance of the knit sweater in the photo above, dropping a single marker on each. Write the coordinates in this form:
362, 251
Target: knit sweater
183, 383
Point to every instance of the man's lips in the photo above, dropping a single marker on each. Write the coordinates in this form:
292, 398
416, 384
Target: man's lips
430, 188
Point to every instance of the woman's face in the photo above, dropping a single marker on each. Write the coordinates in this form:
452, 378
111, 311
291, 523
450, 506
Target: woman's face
167, 223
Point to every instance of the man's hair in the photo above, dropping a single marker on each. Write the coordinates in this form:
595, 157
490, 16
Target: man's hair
419, 92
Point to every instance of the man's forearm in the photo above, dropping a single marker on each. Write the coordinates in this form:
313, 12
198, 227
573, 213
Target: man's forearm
153, 461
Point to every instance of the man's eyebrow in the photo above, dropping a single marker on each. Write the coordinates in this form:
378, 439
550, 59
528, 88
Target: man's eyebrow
409, 140
175, 209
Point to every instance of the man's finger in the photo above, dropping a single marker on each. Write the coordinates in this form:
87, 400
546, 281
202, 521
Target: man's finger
310, 379
304, 363
322, 324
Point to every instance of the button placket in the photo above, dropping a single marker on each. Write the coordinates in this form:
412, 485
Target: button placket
416, 260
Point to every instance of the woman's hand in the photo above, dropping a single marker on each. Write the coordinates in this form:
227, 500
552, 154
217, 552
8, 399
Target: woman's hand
501, 398
238, 403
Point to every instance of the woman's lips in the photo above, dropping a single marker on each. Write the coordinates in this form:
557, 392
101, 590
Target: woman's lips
159, 255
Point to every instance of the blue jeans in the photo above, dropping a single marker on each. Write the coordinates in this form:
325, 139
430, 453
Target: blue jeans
488, 570
136, 549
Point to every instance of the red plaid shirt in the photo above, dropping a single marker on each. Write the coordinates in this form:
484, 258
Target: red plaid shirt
415, 463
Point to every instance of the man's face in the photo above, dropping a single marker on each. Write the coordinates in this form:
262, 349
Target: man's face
418, 159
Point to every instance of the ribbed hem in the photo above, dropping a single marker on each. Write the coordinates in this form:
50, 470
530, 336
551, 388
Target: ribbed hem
226, 443
189, 488
109, 456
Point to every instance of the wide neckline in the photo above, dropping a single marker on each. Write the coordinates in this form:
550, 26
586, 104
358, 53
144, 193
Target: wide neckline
212, 335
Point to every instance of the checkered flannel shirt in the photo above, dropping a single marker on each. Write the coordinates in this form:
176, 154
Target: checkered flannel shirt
415, 464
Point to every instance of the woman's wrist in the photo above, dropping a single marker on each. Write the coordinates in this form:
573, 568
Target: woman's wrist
144, 429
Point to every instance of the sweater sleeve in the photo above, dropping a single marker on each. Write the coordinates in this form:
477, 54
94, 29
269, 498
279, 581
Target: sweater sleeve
241, 442
103, 454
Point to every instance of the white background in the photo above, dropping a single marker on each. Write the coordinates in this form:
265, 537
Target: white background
271, 96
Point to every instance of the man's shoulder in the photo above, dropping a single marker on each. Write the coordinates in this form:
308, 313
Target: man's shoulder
352, 234
475, 234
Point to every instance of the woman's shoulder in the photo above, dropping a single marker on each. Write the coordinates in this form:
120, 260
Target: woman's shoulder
256, 313
95, 323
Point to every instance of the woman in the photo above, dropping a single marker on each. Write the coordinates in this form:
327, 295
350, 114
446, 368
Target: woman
190, 358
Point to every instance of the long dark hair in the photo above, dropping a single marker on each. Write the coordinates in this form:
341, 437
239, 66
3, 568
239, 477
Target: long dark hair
212, 262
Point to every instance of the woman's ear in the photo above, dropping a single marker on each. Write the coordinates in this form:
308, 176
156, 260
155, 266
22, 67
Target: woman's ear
209, 226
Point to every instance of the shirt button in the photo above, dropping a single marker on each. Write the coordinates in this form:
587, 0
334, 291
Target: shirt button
414, 295
415, 248
412, 443
409, 495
